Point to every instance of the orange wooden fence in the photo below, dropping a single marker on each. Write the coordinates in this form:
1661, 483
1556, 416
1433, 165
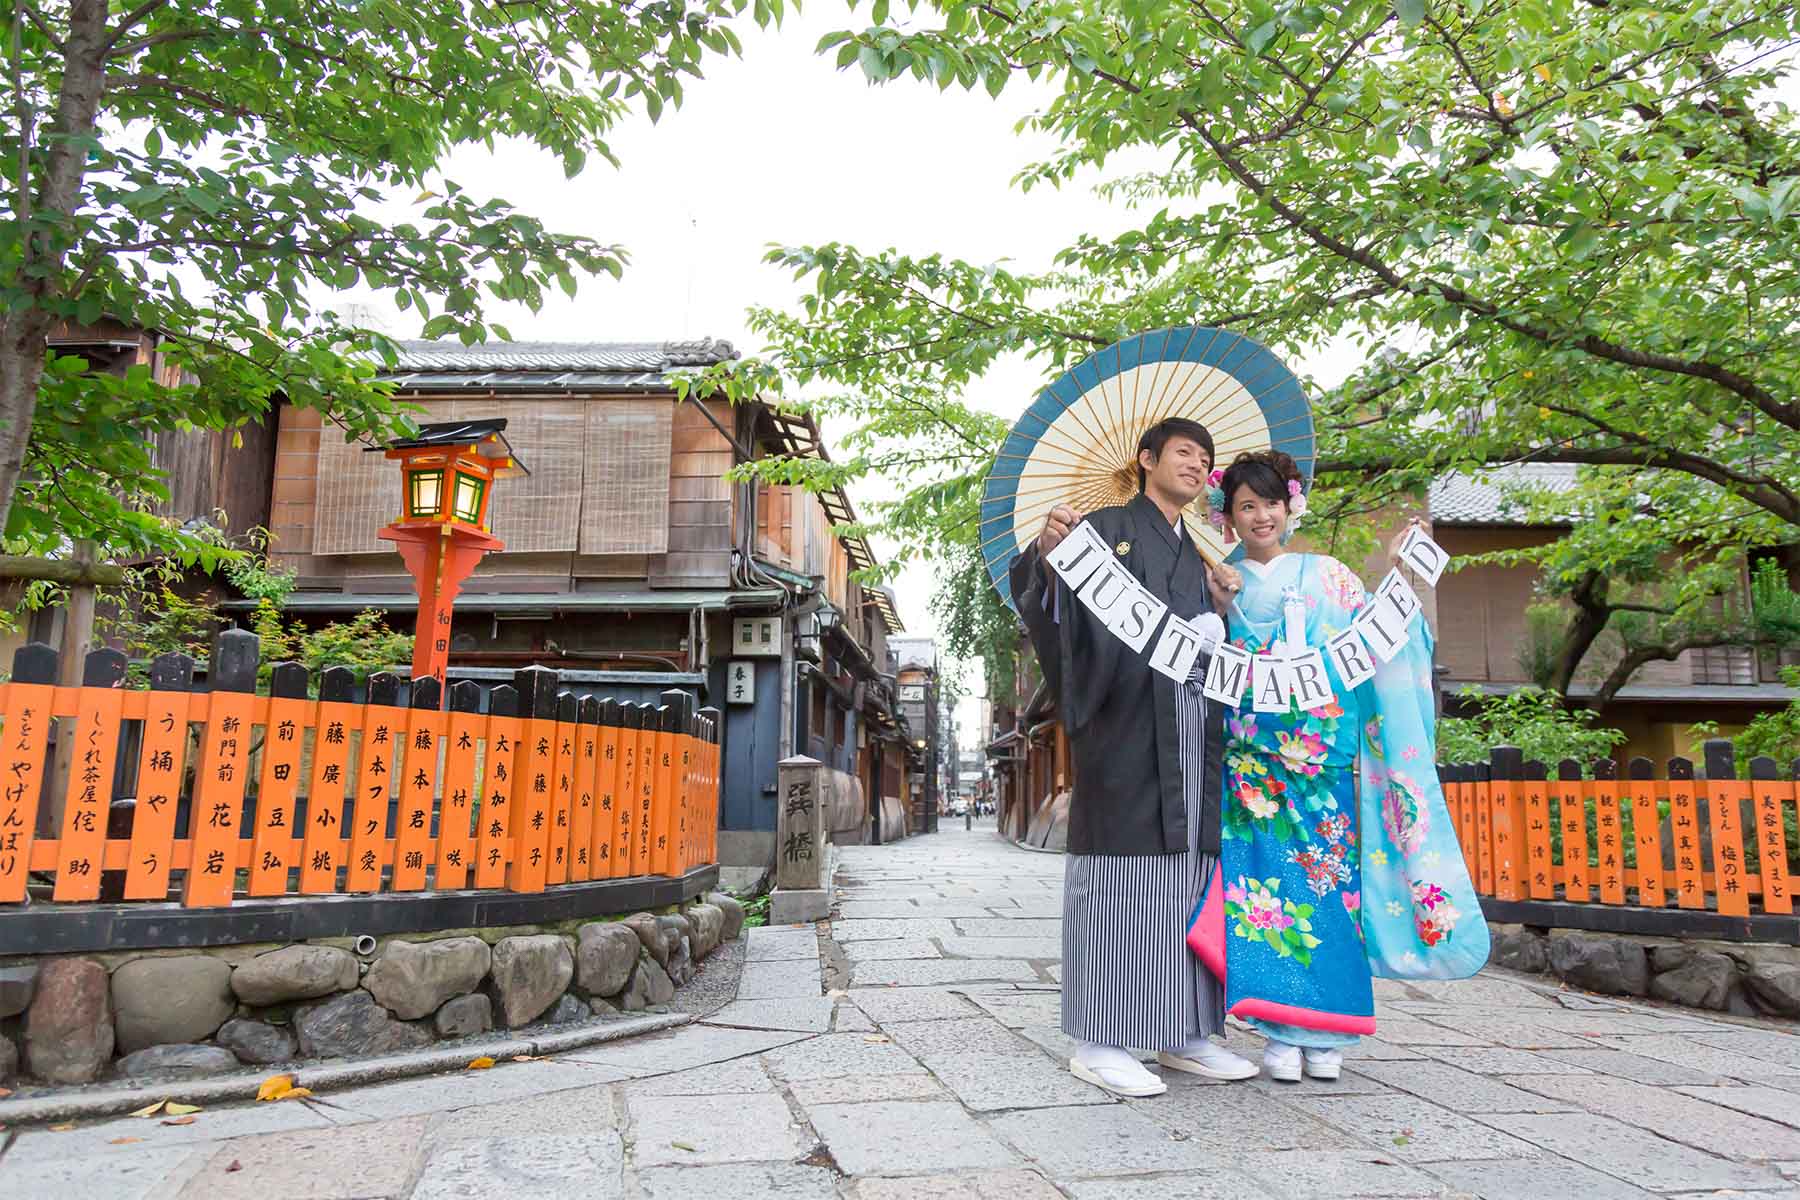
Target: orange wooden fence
217, 795
1714, 843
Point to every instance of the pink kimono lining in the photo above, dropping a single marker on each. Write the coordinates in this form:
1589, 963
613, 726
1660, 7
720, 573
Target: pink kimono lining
1206, 938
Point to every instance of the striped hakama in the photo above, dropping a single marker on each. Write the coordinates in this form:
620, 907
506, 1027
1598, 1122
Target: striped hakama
1129, 978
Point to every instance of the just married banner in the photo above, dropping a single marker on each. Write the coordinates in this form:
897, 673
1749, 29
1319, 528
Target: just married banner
1295, 674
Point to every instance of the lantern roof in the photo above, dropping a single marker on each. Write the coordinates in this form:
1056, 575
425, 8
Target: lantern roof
489, 434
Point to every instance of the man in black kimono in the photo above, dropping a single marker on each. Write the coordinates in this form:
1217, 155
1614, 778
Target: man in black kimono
1144, 811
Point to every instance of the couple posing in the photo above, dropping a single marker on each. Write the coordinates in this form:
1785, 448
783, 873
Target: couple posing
1225, 861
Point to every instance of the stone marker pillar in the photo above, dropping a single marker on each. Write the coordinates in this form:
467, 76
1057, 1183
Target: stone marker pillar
802, 843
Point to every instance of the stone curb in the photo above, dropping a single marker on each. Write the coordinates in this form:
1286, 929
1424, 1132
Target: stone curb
118, 1099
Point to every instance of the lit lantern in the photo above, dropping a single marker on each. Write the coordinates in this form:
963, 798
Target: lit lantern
447, 475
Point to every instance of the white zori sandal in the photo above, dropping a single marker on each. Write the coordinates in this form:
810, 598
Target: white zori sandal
1113, 1070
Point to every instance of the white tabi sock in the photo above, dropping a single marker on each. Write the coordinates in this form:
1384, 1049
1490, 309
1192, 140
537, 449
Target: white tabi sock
1096, 1057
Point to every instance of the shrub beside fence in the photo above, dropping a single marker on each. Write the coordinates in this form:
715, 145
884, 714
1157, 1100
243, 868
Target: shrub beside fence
1681, 843
215, 795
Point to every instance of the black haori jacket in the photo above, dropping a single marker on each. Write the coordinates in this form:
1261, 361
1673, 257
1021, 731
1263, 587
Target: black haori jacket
1118, 712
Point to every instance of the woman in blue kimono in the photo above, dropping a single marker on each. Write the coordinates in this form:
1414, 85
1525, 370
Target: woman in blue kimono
1338, 861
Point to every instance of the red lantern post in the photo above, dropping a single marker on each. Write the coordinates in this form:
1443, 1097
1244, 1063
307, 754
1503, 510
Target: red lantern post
447, 482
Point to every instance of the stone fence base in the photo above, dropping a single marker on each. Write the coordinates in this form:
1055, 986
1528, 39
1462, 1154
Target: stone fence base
71, 1019
1745, 978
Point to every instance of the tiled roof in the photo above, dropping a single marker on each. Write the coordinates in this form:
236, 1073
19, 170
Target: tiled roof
562, 356
1485, 497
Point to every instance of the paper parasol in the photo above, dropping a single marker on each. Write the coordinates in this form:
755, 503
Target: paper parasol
1077, 443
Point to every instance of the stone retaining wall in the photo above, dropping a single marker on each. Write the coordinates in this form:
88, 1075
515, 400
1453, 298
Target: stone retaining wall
72, 1019
1746, 978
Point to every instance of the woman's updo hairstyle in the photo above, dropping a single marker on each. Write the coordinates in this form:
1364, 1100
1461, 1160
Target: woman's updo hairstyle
1268, 473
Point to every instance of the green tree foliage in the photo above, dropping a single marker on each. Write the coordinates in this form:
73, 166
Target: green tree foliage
213, 170
150, 615
1557, 231
1531, 719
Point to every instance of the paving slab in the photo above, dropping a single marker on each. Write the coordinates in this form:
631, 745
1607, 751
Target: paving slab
1479, 991
1628, 1153
1215, 1183
1625, 1065
1381, 1048
777, 943
374, 1159
798, 1014
1499, 1060
1681, 1050
687, 1130
1509, 1179
1016, 1009
850, 1019
891, 950
438, 1093
211, 1125
1115, 1139
967, 1035
739, 1181
735, 1075
1773, 1045
940, 972
1680, 1118
1043, 949
1009, 927
860, 1089
997, 1082
906, 1137
1396, 1029
889, 1006
1462, 1091
1776, 1104
1414, 1130
890, 910
780, 980
693, 1046
1334, 1174
835, 1054
149, 1174
977, 1185
1219, 1116
590, 1111
889, 928
525, 1167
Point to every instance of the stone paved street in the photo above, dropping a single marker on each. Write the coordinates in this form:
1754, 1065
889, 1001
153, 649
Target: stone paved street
914, 1055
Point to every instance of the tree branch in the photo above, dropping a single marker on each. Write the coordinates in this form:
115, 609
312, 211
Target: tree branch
1637, 656
1786, 412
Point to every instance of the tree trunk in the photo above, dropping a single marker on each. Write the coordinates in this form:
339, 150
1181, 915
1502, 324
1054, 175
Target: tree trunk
43, 259
1591, 615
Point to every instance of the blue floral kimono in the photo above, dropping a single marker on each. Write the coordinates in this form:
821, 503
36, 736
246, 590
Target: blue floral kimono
1331, 873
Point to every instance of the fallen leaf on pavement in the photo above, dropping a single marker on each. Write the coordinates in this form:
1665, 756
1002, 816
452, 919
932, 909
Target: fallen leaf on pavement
275, 1087
62, 1128
235, 1166
122, 1141
480, 1064
878, 1037
683, 1146
179, 1121
528, 1058
150, 1110
175, 1108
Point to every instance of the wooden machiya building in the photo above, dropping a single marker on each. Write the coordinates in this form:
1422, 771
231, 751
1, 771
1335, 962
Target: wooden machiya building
632, 564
